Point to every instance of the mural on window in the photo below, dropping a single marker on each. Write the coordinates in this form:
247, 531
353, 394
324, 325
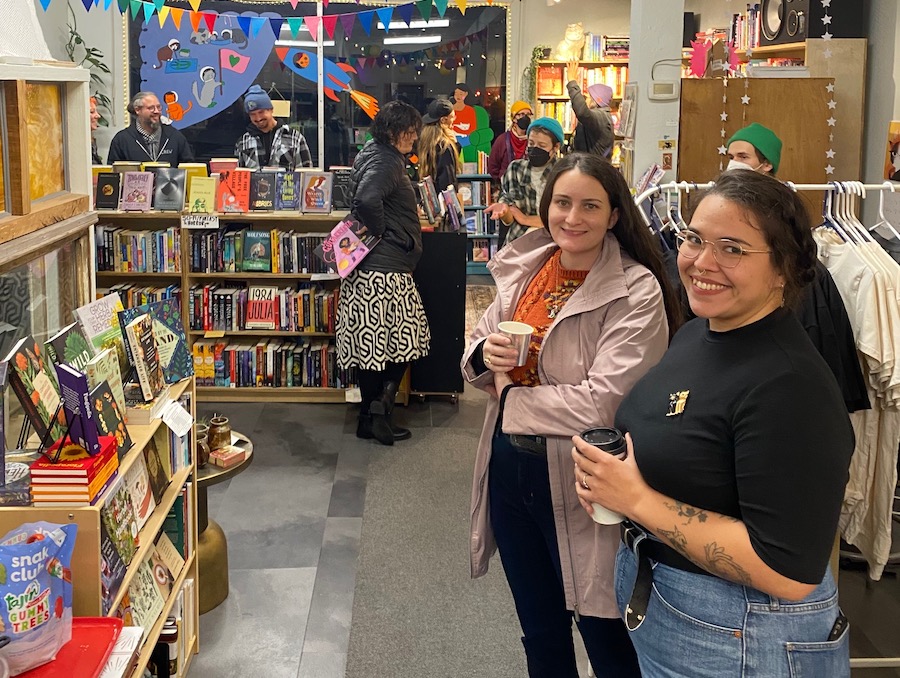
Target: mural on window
201, 65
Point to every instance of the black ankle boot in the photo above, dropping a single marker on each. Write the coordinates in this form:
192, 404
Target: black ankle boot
381, 408
364, 426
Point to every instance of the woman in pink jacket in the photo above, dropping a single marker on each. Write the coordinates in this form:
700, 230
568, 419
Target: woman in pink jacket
593, 287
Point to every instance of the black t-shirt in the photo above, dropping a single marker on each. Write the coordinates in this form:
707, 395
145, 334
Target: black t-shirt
751, 424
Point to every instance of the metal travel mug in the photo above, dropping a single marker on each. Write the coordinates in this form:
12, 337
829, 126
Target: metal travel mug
611, 441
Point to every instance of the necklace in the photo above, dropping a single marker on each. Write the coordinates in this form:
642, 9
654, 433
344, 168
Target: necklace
557, 296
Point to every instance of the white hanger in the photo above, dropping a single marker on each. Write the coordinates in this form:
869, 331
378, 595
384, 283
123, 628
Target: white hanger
833, 220
882, 220
857, 190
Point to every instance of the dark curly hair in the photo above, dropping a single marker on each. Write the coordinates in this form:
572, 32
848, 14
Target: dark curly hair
394, 118
782, 217
631, 232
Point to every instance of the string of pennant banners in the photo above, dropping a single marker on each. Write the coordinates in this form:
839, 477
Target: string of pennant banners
142, 10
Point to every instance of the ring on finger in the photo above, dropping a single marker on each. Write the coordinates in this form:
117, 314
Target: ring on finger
584, 482
487, 359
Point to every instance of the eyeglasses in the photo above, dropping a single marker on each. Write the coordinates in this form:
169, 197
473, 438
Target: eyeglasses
727, 253
158, 107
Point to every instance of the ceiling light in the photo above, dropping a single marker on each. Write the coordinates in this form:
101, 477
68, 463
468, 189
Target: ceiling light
435, 23
302, 43
414, 40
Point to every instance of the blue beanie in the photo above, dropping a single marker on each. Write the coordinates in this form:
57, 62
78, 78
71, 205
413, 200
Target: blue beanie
549, 125
256, 99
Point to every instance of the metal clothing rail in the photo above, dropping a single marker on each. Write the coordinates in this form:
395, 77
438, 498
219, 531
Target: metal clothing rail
842, 187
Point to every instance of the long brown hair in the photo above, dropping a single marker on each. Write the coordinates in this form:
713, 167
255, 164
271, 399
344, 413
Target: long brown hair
433, 141
631, 232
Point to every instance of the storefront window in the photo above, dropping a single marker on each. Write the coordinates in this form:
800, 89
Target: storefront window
46, 150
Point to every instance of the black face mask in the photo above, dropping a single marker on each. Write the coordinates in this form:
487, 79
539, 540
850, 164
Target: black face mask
537, 157
523, 122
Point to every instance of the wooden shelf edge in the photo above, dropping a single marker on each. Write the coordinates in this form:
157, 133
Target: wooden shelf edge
259, 333
193, 649
128, 275
156, 629
294, 394
249, 275
152, 527
583, 63
279, 215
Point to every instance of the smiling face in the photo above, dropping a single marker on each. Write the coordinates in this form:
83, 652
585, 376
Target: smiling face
406, 141
148, 113
263, 119
95, 115
579, 217
730, 297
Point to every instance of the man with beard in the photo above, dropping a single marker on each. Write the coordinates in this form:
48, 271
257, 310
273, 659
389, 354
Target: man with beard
267, 142
147, 139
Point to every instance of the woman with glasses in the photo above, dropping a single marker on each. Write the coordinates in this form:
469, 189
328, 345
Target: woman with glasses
738, 452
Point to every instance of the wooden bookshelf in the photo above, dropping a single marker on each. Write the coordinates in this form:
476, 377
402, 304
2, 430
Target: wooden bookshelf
270, 394
788, 50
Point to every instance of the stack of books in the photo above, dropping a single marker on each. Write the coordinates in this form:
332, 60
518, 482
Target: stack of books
73, 482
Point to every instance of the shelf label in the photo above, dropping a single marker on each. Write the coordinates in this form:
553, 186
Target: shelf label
210, 221
178, 419
214, 334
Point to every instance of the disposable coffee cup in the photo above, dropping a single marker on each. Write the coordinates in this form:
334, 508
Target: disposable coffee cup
520, 335
611, 441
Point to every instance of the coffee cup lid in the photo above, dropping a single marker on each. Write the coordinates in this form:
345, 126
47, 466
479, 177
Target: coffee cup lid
605, 438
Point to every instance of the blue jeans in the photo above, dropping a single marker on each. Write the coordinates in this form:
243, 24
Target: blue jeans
521, 515
701, 626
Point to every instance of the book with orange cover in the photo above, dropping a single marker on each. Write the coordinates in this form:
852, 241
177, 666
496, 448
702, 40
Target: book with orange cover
75, 465
233, 192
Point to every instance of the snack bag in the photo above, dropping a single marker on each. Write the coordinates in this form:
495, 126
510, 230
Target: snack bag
35, 593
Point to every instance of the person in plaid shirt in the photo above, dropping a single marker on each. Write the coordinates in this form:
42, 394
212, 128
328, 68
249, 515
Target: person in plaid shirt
268, 143
523, 182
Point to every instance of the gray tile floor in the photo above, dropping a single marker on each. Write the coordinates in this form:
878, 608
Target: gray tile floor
293, 521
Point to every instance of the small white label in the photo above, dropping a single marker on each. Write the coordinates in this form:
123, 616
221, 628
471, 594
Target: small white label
210, 221
178, 419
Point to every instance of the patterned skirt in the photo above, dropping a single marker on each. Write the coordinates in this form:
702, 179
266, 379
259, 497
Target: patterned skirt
380, 319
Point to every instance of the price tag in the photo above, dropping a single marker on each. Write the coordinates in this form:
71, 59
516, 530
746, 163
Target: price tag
178, 419
214, 334
197, 221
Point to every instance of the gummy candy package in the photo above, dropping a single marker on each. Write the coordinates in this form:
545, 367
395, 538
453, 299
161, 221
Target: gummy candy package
35, 593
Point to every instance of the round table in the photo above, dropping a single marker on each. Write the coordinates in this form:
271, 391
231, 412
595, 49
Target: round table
212, 547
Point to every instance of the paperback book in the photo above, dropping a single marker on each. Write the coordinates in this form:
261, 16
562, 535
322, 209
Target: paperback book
105, 367
108, 188
168, 194
112, 569
137, 191
147, 600
202, 195
168, 329
260, 308
346, 245
316, 192
431, 203
454, 209
117, 513
156, 472
263, 184
110, 418
137, 481
76, 467
34, 382
145, 354
69, 346
99, 320
340, 188
233, 192
287, 193
76, 398
256, 248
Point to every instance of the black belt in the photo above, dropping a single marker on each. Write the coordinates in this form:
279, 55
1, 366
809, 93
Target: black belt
648, 550
534, 444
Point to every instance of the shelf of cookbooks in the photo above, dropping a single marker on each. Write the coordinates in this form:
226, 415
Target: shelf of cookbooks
257, 301
109, 409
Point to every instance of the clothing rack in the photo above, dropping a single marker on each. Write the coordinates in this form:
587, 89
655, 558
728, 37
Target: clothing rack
856, 188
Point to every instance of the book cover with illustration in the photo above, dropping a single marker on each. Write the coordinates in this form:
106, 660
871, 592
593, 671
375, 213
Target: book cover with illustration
99, 321
76, 398
454, 209
105, 367
145, 355
168, 195
117, 513
340, 188
256, 247
112, 569
263, 184
137, 480
287, 191
156, 472
233, 192
168, 329
108, 189
110, 417
147, 599
346, 245
260, 308
431, 203
137, 191
315, 192
202, 195
34, 382
69, 346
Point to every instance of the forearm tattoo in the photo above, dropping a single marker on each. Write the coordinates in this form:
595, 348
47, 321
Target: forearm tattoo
723, 565
688, 511
676, 540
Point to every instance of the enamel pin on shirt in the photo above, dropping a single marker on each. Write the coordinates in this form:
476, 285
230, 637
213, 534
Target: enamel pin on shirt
677, 402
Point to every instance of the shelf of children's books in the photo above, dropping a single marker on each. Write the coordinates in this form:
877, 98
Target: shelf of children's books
272, 394
148, 533
477, 268
214, 334
132, 275
247, 275
156, 629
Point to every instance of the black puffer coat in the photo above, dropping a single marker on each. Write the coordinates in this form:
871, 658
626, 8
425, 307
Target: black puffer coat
385, 202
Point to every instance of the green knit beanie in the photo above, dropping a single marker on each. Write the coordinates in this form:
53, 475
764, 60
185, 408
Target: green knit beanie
763, 140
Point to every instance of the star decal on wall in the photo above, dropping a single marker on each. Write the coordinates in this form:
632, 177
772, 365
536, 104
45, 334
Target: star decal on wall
832, 104
826, 19
831, 121
826, 3
722, 150
829, 169
745, 100
827, 36
723, 133
829, 153
826, 53
724, 116
830, 87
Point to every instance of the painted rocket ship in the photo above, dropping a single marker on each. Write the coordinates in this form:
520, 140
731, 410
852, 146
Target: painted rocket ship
336, 76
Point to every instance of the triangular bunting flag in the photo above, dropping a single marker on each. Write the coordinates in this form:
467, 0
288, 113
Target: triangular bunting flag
256, 23
177, 13
45, 4
424, 9
312, 25
347, 23
384, 16
406, 12
330, 22
106, 4
325, 3
159, 5
462, 5
441, 6
195, 5
209, 19
87, 5
365, 20
294, 4
162, 15
295, 23
149, 11
196, 18
123, 6
136, 10
276, 23
244, 23
96, 3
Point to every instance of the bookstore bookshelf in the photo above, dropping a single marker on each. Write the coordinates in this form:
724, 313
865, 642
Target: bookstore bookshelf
552, 98
482, 233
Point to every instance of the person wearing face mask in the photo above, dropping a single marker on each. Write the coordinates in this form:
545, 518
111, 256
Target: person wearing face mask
756, 148
594, 132
511, 144
523, 182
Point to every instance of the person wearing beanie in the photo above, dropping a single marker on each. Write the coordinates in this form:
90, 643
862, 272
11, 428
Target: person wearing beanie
437, 149
510, 145
754, 147
523, 182
594, 131
147, 139
267, 142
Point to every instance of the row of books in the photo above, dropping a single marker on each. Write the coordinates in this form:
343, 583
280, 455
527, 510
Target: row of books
745, 29
234, 307
475, 192
551, 79
271, 362
478, 166
478, 223
120, 249
482, 249
133, 294
236, 249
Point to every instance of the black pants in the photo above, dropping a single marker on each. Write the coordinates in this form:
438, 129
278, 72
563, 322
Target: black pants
522, 519
372, 382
